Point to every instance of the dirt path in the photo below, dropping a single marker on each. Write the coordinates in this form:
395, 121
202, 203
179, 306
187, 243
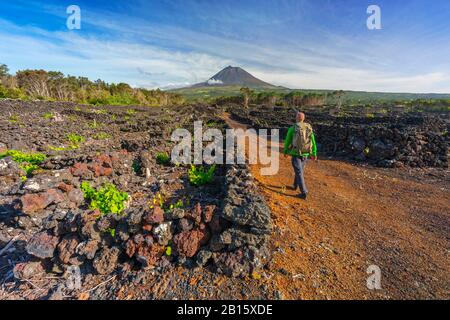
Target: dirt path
356, 217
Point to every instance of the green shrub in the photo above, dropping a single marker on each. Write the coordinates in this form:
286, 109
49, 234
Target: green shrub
14, 119
75, 140
177, 205
212, 124
112, 232
162, 158
137, 167
107, 199
27, 161
48, 116
94, 124
122, 100
131, 112
199, 176
11, 93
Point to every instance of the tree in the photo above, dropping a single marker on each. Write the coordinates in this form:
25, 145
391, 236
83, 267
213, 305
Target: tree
294, 98
339, 95
56, 86
34, 82
4, 71
246, 92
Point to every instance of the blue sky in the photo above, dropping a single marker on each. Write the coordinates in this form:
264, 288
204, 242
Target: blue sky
315, 44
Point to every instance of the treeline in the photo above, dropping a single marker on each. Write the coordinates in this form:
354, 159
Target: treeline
338, 99
55, 86
292, 98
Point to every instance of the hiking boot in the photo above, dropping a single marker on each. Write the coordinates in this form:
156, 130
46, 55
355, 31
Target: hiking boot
303, 196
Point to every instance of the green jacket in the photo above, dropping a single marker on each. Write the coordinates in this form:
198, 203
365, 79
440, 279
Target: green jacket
288, 144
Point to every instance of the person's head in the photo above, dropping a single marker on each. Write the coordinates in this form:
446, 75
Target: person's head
300, 117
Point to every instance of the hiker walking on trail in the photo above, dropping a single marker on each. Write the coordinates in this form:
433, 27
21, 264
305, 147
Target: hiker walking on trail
300, 143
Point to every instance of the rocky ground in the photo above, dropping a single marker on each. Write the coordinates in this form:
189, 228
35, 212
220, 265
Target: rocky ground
171, 240
358, 217
244, 236
388, 139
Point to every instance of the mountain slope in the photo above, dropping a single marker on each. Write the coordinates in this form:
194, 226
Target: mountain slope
234, 76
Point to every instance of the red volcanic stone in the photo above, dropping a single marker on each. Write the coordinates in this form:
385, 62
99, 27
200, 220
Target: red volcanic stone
66, 248
104, 160
130, 248
147, 255
65, 187
80, 170
147, 227
155, 217
33, 203
116, 157
100, 171
42, 245
27, 270
188, 243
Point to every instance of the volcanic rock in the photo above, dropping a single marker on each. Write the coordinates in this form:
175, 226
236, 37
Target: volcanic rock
27, 270
188, 243
33, 203
163, 233
106, 260
42, 245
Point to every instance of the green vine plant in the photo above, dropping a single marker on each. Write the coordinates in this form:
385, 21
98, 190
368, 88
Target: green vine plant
162, 158
199, 176
75, 140
107, 199
29, 162
48, 116
101, 136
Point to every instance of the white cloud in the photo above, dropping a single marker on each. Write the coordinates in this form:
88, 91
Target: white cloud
165, 56
213, 82
112, 61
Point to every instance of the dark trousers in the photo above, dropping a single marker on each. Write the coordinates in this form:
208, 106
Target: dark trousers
299, 165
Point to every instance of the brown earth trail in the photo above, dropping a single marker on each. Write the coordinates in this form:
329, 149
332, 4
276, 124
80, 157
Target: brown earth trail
356, 217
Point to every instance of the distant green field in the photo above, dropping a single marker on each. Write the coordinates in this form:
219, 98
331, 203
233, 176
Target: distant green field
210, 93
207, 93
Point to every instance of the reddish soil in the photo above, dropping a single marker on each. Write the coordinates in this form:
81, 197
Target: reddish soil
356, 217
